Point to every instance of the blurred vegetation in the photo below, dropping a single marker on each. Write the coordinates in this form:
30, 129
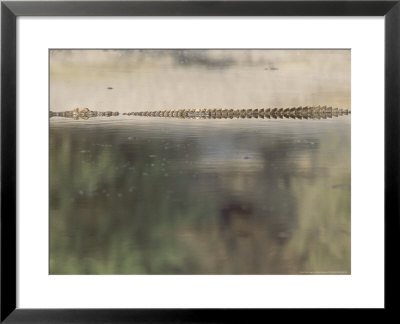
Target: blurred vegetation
126, 202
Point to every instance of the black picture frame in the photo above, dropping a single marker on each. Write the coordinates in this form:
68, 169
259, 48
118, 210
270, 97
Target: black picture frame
10, 10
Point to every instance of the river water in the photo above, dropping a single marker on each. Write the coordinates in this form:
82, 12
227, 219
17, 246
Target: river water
142, 195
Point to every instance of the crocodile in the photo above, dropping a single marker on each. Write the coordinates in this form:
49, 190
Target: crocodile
316, 112
269, 113
83, 113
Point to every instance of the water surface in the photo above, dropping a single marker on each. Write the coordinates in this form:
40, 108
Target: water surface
137, 195
138, 80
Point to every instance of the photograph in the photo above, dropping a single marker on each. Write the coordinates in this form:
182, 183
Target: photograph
199, 161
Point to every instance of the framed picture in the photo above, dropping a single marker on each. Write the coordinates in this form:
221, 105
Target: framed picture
190, 161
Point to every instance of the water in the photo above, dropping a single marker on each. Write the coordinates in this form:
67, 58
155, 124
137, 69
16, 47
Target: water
138, 195
139, 80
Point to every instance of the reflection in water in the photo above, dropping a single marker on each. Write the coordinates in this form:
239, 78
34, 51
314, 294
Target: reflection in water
172, 196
